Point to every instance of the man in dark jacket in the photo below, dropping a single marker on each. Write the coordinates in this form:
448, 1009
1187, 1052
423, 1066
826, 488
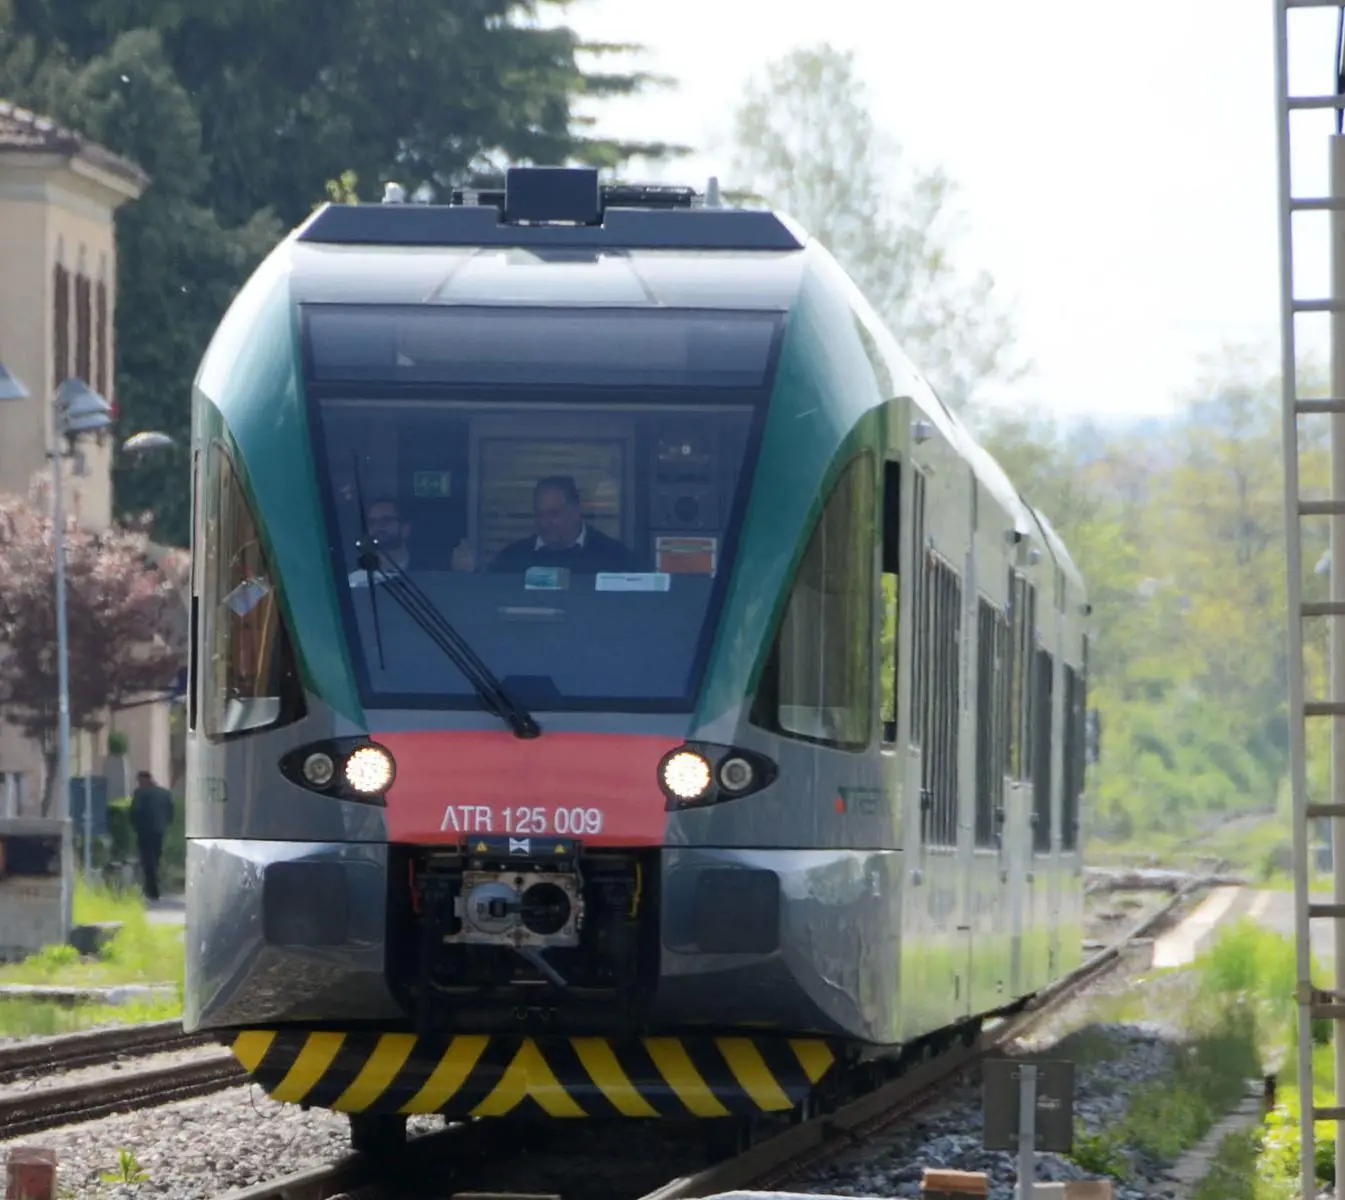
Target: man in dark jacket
151, 814
563, 538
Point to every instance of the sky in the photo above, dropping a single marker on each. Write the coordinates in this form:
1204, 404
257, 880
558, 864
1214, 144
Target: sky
1116, 163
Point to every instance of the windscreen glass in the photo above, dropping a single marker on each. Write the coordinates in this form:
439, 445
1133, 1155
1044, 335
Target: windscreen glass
564, 487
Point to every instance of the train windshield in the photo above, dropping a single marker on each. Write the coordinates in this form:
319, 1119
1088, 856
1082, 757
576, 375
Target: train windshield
563, 486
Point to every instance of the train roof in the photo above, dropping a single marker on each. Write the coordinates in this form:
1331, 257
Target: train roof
552, 236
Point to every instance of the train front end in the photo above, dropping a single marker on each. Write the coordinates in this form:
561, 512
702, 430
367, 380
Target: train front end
470, 491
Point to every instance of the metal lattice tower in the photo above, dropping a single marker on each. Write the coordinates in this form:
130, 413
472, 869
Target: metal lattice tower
1314, 1001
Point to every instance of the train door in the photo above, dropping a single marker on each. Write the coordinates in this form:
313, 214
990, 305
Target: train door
1018, 827
964, 767
1041, 874
921, 996
1056, 715
939, 712
893, 652
992, 892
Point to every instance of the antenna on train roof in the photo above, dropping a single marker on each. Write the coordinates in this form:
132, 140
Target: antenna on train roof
712, 197
394, 193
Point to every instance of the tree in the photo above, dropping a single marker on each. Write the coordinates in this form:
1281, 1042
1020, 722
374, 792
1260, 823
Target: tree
242, 111
126, 627
805, 141
1178, 528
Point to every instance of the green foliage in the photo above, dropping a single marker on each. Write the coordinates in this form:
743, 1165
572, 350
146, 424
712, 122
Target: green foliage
1250, 965
127, 1171
1179, 533
1166, 1119
242, 111
1233, 1172
1234, 1009
1101, 1153
25, 1018
118, 743
1282, 1143
141, 952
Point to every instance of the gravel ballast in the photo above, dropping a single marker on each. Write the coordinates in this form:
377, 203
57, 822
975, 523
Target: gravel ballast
204, 1147
948, 1135
199, 1148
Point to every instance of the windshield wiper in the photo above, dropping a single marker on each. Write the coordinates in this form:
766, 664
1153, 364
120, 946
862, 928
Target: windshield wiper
420, 608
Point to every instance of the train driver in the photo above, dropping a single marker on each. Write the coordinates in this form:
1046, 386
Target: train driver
390, 533
563, 538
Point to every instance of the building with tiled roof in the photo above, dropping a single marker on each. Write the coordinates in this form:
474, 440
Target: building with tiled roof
59, 195
24, 132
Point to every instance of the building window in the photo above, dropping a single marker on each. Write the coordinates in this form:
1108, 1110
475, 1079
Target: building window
940, 631
83, 328
818, 684
250, 679
100, 333
13, 793
60, 320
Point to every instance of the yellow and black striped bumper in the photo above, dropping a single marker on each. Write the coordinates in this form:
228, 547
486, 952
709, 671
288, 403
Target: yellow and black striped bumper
563, 1077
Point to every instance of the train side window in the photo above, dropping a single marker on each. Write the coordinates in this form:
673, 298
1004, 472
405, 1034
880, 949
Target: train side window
1074, 760
891, 588
818, 684
919, 611
1043, 708
250, 681
1022, 697
992, 643
942, 627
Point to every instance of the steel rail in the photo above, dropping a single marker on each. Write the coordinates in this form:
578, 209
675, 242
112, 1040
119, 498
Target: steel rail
94, 1047
45, 1108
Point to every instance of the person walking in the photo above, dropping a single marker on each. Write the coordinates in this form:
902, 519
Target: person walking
151, 814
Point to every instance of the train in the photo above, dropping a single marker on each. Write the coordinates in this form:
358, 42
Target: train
619, 686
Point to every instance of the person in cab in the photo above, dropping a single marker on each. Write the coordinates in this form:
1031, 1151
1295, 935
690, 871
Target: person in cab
563, 538
391, 533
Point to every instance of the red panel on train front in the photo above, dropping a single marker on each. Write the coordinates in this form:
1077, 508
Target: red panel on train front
599, 787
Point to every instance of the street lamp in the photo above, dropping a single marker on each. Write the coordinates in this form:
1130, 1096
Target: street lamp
79, 410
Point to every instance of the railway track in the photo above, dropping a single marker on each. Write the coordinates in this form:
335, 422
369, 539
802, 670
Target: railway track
94, 1048
48, 1107
764, 1166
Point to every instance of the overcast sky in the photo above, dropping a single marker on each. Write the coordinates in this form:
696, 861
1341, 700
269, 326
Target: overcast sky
1116, 162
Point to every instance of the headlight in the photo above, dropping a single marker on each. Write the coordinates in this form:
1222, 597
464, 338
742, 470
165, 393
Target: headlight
319, 769
370, 770
736, 774
686, 775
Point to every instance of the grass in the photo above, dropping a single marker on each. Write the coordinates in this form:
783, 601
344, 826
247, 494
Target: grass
1165, 1119
23, 1018
1237, 1005
142, 952
1233, 1172
1256, 968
